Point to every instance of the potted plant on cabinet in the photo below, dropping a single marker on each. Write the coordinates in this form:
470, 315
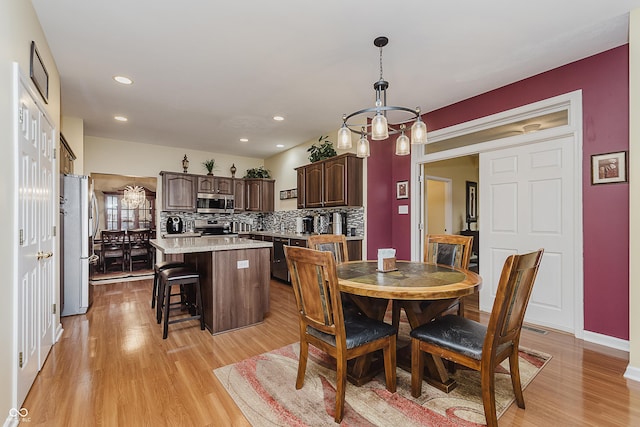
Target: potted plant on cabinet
209, 165
259, 172
322, 151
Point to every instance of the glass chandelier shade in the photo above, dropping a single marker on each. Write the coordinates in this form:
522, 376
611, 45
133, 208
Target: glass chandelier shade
363, 145
344, 138
134, 196
380, 129
403, 145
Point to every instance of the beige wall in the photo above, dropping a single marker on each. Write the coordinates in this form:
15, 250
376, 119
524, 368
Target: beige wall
18, 27
102, 155
459, 170
634, 194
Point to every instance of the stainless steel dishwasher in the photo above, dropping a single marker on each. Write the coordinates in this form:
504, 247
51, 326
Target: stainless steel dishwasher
279, 268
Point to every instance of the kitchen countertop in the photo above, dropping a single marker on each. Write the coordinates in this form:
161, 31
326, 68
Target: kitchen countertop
294, 235
185, 245
173, 236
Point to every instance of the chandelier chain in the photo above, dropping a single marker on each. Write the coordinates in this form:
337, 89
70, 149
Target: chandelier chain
381, 78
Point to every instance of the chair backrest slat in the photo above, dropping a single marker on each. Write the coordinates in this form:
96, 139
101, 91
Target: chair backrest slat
334, 243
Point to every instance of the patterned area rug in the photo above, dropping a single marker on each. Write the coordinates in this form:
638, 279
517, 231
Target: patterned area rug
264, 389
120, 276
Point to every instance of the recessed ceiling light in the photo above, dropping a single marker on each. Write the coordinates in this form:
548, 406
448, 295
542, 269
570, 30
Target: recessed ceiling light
278, 118
244, 139
123, 80
280, 146
121, 118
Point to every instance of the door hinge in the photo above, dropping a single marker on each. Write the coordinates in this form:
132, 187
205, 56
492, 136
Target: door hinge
21, 233
21, 114
20, 359
54, 308
54, 153
421, 178
54, 231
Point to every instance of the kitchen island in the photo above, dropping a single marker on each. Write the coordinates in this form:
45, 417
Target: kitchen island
234, 275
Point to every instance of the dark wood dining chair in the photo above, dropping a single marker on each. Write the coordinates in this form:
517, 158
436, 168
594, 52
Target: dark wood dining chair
138, 248
112, 248
447, 249
315, 285
480, 347
334, 243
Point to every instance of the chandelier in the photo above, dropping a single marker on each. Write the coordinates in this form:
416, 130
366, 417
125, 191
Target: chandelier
134, 196
379, 128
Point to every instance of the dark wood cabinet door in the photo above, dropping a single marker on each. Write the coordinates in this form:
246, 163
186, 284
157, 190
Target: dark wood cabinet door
259, 195
335, 177
238, 194
301, 188
206, 184
313, 184
355, 250
223, 185
178, 192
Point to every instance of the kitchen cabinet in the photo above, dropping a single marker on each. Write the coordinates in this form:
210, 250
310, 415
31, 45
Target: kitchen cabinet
179, 191
66, 156
215, 184
336, 181
259, 195
239, 195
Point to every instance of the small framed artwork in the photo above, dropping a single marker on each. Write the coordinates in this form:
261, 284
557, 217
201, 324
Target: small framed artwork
38, 73
402, 190
609, 168
472, 201
289, 194
283, 194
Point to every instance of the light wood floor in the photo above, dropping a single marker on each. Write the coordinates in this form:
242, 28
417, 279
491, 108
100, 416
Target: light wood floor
112, 368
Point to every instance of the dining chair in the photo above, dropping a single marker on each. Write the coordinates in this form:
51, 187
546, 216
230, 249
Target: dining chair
112, 248
447, 249
334, 243
137, 248
480, 347
315, 285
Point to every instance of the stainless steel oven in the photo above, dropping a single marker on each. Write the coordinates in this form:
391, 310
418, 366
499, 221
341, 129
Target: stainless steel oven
215, 203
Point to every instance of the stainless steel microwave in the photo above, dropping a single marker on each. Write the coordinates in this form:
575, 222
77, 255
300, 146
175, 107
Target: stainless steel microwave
215, 203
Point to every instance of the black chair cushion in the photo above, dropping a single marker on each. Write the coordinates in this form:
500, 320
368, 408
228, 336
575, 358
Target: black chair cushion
179, 273
359, 330
447, 253
455, 333
163, 265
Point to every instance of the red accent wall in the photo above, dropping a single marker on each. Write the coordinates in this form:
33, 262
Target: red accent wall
604, 81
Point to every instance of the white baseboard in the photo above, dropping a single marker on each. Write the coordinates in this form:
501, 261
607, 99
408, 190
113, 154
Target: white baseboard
632, 373
606, 340
58, 333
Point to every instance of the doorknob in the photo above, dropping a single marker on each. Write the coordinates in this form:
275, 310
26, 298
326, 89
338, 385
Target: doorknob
41, 255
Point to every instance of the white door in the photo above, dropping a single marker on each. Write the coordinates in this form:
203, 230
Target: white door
527, 203
46, 209
29, 245
35, 138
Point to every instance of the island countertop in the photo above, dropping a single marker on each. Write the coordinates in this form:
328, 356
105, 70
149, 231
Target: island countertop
187, 245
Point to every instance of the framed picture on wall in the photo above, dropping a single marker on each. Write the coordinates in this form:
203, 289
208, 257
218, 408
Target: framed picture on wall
609, 168
472, 201
38, 73
402, 190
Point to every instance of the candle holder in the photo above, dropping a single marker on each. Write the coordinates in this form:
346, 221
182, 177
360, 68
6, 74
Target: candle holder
185, 164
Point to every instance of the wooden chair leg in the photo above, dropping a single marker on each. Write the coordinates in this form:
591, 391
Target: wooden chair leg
395, 314
514, 367
341, 384
417, 368
489, 397
390, 365
167, 303
302, 363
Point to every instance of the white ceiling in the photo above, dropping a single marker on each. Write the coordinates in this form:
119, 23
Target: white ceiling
207, 73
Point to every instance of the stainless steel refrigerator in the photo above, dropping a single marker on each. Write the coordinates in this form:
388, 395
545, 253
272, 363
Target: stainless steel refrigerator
78, 209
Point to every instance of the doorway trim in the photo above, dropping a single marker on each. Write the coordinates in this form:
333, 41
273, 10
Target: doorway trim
572, 103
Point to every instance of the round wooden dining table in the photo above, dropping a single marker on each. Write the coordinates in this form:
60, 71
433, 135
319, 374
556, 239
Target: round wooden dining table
422, 290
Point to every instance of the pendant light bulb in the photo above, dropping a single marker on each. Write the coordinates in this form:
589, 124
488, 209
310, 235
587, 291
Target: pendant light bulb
344, 137
418, 130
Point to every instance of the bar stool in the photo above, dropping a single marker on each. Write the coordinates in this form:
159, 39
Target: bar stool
182, 276
158, 293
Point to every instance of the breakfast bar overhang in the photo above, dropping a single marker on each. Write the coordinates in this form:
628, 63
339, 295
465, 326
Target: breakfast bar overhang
234, 275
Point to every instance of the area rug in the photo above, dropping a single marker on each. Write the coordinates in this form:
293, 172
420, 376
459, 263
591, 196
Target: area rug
263, 387
120, 276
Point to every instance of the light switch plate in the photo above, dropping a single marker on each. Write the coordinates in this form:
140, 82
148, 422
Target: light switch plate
243, 264
403, 209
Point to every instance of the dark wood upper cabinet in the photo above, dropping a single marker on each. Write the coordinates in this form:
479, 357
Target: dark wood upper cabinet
260, 194
66, 156
336, 181
215, 184
179, 191
239, 195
